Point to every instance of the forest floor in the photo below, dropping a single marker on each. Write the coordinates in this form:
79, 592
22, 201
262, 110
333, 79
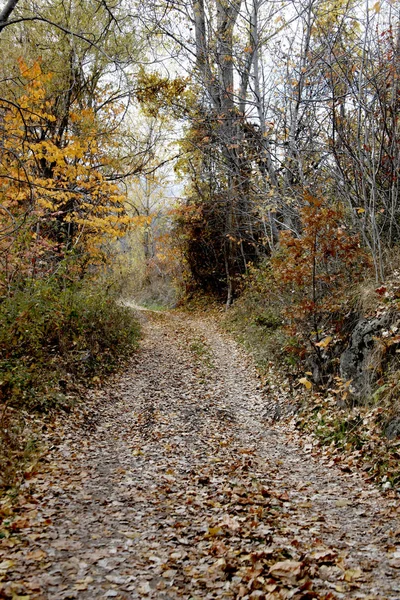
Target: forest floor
175, 483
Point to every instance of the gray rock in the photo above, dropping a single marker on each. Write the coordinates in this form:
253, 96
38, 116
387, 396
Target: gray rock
359, 362
392, 429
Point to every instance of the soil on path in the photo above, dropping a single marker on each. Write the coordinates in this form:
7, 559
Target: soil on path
180, 487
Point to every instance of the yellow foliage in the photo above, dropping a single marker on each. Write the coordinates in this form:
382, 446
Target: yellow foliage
325, 342
157, 94
307, 384
50, 182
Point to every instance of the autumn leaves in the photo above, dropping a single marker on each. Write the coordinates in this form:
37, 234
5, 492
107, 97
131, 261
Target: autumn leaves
52, 185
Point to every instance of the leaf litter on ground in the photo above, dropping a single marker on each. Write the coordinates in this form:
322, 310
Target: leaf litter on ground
172, 483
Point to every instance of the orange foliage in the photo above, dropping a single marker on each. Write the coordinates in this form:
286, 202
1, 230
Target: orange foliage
313, 271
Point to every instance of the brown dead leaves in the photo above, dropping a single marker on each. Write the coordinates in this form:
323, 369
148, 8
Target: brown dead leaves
181, 491
286, 570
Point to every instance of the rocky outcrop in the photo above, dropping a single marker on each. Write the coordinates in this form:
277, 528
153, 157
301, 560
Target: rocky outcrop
392, 429
361, 360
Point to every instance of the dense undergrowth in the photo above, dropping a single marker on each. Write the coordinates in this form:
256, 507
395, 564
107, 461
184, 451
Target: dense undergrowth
357, 432
55, 339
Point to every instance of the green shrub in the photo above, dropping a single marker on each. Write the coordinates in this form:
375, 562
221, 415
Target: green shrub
256, 321
52, 337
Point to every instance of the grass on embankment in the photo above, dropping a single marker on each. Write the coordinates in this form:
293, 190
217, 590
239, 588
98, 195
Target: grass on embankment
54, 340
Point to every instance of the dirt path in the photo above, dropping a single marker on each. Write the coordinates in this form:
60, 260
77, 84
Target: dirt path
179, 487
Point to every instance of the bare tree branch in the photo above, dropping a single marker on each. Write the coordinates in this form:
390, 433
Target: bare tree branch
6, 12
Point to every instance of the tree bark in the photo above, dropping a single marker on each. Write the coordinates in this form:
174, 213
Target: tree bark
6, 13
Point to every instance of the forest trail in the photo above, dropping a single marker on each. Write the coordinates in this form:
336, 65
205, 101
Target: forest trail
180, 487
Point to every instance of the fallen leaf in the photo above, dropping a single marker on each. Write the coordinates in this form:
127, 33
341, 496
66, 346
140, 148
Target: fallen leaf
342, 503
117, 579
5, 565
131, 535
395, 563
169, 573
352, 574
36, 555
307, 384
144, 588
286, 569
84, 582
231, 522
323, 555
213, 531
325, 342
